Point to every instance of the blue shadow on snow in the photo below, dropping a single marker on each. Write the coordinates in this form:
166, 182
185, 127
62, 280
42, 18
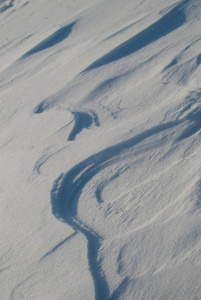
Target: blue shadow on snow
67, 190
169, 22
52, 40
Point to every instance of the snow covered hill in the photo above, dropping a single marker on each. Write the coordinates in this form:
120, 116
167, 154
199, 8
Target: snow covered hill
100, 130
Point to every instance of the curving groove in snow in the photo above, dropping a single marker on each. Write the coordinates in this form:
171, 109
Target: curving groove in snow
62, 210
82, 120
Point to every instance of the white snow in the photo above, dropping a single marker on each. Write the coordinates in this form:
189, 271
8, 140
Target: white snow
100, 130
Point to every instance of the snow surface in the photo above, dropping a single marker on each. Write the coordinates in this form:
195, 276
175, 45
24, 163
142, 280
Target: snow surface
100, 125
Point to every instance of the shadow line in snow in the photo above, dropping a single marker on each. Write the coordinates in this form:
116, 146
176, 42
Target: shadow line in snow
102, 186
125, 28
166, 24
44, 159
67, 190
58, 246
195, 124
52, 40
6, 6
178, 58
41, 107
82, 120
119, 291
64, 211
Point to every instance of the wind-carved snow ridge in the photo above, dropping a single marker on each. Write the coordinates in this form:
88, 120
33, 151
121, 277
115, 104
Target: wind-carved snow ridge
102, 185
191, 113
168, 23
64, 213
68, 188
43, 159
82, 120
7, 5
41, 107
105, 200
52, 40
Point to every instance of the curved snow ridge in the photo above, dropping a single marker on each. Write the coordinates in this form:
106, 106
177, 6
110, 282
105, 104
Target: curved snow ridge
47, 104
169, 22
58, 195
55, 38
106, 182
67, 189
42, 160
102, 186
82, 120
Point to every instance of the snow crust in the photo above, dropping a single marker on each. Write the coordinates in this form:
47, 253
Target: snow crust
100, 126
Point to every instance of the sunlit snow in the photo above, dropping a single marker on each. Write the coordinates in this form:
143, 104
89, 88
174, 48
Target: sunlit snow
100, 157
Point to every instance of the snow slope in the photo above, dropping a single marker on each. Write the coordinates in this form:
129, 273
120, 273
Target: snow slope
100, 127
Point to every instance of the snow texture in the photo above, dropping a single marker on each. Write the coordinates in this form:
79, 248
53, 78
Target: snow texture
100, 126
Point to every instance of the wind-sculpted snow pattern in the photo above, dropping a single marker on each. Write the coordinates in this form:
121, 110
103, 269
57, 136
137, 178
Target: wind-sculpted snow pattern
7, 5
100, 126
82, 120
63, 211
44, 105
67, 190
169, 22
57, 37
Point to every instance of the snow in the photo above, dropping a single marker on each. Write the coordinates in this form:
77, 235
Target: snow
100, 125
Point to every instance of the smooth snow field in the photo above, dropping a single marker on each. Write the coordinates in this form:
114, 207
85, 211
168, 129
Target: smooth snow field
100, 157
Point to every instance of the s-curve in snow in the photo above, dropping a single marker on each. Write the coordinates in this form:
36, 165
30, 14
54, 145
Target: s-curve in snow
63, 206
67, 189
100, 149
